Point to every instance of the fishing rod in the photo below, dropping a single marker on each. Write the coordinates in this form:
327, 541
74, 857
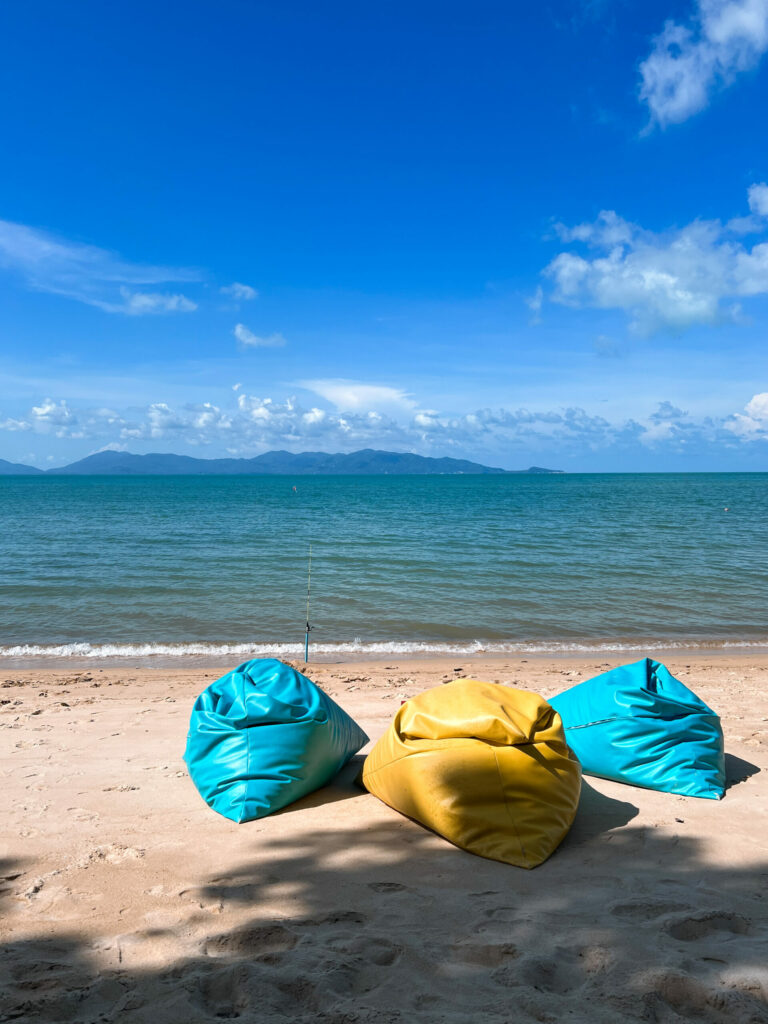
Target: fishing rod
309, 628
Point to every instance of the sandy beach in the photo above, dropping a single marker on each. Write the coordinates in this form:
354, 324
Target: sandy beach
126, 899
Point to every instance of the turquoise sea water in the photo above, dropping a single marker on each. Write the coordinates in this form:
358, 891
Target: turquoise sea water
163, 566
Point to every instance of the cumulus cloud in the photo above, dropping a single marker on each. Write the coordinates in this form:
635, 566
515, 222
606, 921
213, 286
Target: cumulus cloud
352, 396
758, 199
666, 411
57, 413
14, 425
88, 274
258, 423
160, 421
239, 291
666, 424
56, 418
672, 280
689, 63
753, 426
248, 339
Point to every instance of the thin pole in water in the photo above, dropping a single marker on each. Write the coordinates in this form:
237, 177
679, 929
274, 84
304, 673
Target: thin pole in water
309, 628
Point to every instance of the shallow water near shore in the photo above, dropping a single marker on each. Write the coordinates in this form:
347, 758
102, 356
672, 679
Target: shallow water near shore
165, 567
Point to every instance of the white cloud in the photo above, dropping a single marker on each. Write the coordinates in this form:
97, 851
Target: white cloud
608, 230
160, 421
57, 418
757, 406
255, 424
14, 425
689, 63
667, 424
113, 446
139, 303
534, 303
248, 339
352, 396
673, 280
758, 199
57, 413
753, 426
88, 274
240, 292
208, 415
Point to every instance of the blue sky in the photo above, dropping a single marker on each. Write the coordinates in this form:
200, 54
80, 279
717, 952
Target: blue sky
515, 233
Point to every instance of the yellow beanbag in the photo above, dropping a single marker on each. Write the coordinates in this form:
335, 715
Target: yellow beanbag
484, 765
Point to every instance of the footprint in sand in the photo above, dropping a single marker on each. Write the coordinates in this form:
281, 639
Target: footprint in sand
388, 887
496, 921
262, 940
353, 975
542, 973
233, 992
689, 999
82, 814
509, 914
372, 949
646, 910
701, 925
112, 853
334, 917
484, 954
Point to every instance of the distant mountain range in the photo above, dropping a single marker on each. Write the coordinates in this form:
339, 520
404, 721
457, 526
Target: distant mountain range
367, 461
16, 469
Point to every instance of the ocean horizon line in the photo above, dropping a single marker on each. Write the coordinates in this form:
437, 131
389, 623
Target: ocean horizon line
50, 475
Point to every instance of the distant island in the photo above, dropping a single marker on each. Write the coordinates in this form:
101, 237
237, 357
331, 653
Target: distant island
367, 461
17, 469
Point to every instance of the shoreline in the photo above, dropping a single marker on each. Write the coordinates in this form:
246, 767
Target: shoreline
235, 654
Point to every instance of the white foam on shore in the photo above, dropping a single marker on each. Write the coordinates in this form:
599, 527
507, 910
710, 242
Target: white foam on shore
357, 648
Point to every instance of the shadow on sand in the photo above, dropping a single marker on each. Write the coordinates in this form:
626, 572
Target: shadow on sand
738, 770
386, 924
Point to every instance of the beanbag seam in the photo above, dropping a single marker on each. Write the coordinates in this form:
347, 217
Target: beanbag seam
630, 718
402, 757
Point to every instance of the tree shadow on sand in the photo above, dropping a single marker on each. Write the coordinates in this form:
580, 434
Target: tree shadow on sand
385, 923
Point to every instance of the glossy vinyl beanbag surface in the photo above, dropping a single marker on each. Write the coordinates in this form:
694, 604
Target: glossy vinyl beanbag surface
638, 724
263, 736
484, 765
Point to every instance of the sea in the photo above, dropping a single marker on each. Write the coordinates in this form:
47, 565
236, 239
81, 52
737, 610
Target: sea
160, 569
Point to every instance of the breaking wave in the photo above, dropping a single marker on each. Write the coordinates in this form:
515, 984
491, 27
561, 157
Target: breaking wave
359, 649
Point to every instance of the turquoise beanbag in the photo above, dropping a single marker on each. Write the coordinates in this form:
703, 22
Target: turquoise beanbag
263, 736
640, 725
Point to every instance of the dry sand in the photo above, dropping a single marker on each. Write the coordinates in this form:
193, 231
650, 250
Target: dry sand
126, 899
